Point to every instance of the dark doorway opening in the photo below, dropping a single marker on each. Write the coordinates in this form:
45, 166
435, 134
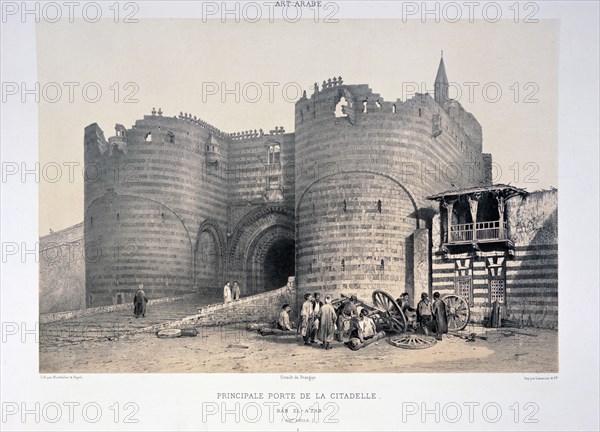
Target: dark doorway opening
280, 263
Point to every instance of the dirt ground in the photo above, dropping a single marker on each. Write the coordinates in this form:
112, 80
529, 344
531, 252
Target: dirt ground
236, 349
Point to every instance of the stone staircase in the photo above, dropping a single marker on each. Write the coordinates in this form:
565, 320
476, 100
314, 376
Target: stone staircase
117, 323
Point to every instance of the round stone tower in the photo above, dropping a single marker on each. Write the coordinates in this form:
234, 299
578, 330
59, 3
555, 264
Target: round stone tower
364, 167
155, 209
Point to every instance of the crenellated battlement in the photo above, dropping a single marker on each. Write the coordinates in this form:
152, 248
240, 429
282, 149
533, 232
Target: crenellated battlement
215, 131
203, 124
253, 134
358, 104
248, 134
187, 118
331, 82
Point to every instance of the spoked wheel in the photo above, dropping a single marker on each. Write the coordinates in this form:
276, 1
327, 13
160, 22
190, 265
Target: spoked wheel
393, 324
390, 312
457, 311
412, 341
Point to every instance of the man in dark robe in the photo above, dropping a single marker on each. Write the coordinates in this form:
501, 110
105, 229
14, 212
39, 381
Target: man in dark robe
438, 311
327, 317
345, 312
236, 291
139, 302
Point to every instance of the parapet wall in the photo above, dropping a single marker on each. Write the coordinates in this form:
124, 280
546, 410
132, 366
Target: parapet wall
258, 308
263, 307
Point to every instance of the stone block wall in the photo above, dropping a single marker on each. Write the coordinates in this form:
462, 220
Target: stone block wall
62, 270
532, 274
421, 264
353, 233
252, 180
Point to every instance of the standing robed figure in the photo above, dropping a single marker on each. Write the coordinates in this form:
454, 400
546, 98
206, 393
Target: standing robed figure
139, 302
327, 318
306, 318
438, 311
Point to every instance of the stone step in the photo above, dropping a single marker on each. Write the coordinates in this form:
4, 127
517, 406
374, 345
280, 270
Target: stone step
118, 323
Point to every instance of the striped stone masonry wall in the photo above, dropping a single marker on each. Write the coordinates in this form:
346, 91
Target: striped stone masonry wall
150, 192
532, 286
532, 274
446, 273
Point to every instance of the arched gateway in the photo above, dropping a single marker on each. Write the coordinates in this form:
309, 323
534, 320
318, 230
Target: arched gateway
261, 252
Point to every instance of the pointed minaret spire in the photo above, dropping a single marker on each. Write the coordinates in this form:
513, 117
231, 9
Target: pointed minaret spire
441, 83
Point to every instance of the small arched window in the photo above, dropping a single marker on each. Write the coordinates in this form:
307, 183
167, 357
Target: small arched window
273, 154
118, 217
382, 265
343, 264
379, 206
276, 154
419, 112
339, 108
344, 206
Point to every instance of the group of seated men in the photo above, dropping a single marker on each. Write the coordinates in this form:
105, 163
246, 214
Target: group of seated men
320, 320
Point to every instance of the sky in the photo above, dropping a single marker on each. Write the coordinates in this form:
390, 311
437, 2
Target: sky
183, 65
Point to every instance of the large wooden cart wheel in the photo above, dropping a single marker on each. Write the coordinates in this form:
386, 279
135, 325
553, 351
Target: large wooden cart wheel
457, 312
412, 341
391, 313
